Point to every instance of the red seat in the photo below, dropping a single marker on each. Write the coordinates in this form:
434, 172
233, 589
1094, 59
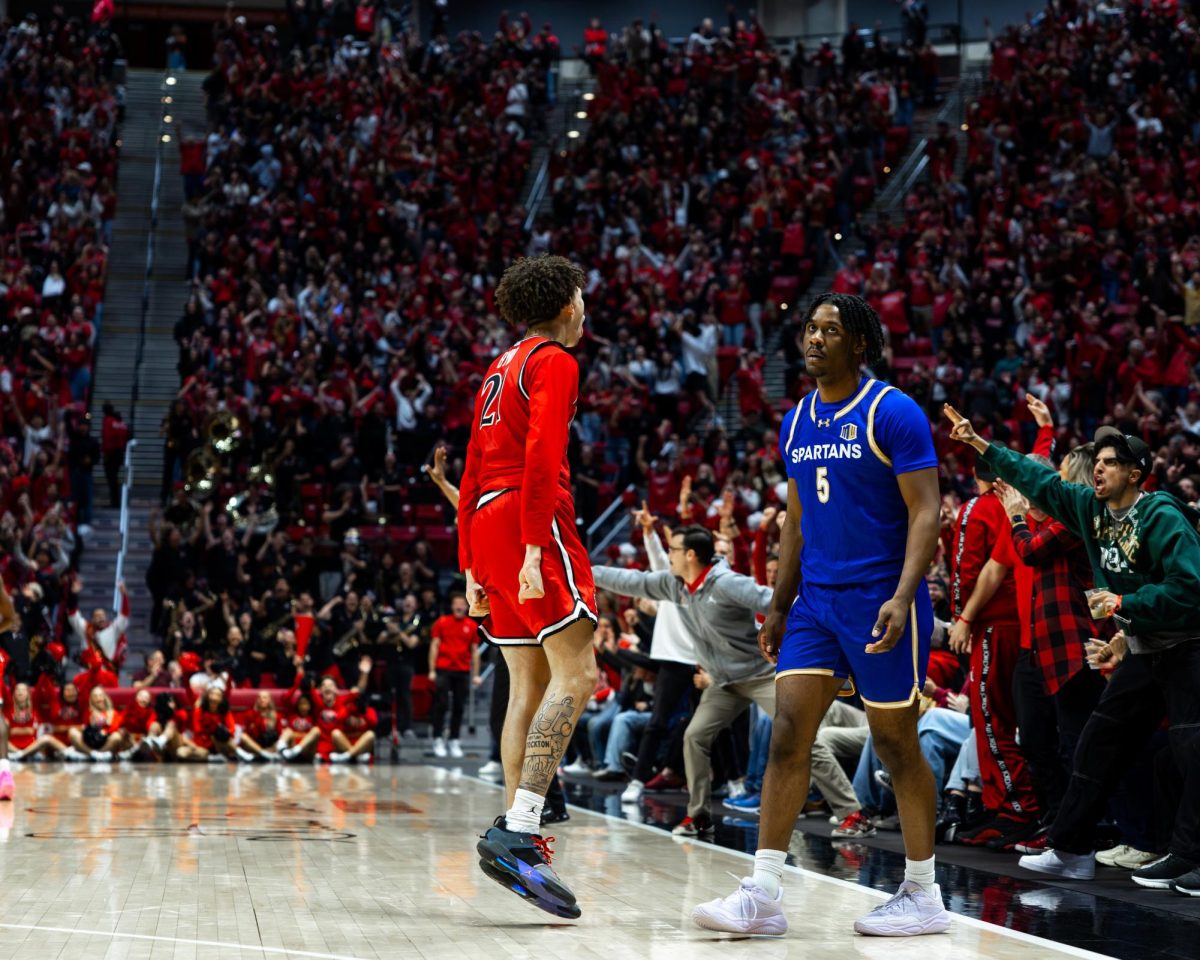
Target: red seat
429, 513
442, 543
727, 363
401, 537
784, 290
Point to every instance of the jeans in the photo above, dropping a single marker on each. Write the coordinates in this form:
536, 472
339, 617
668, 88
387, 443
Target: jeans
1142, 688
941, 734
625, 728
598, 726
733, 334
81, 487
760, 749
966, 767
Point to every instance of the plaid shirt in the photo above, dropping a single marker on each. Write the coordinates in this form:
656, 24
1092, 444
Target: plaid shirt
1061, 621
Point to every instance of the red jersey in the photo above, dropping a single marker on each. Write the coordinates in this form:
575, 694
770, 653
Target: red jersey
456, 639
137, 719
67, 715
259, 726
299, 724
357, 721
523, 411
23, 726
205, 724
329, 718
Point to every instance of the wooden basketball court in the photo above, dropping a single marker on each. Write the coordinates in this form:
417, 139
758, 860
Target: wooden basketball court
176, 862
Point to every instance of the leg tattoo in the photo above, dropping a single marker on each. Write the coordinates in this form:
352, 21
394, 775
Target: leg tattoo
548, 737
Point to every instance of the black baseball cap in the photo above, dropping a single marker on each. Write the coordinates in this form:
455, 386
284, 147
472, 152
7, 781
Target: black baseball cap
1130, 450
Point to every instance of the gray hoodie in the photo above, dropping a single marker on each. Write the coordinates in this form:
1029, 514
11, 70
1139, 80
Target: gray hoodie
719, 615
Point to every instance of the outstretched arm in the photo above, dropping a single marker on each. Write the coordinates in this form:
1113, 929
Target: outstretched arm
634, 583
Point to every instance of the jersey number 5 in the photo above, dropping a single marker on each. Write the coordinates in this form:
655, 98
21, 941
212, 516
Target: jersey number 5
491, 400
823, 484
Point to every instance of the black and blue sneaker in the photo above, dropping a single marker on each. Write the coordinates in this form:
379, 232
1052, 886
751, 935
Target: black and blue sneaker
520, 862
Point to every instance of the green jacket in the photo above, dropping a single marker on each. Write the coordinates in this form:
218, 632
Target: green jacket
1151, 557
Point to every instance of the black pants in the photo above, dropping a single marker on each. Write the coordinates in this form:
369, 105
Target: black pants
1037, 721
1073, 705
672, 683
402, 678
451, 695
556, 801
112, 473
1141, 690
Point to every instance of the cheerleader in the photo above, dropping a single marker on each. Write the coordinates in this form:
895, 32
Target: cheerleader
26, 741
101, 737
301, 735
210, 734
262, 729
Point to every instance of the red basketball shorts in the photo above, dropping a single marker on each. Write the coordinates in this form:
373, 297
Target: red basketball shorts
498, 554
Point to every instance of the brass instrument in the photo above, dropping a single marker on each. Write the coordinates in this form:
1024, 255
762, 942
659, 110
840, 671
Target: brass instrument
264, 521
201, 473
223, 432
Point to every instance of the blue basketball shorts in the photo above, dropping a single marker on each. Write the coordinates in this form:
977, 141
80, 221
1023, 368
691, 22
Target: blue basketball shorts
829, 628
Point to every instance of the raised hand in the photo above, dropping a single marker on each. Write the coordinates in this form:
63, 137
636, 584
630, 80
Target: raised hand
962, 429
1041, 412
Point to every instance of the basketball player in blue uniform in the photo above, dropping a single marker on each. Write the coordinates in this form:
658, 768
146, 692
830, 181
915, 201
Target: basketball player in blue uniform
850, 608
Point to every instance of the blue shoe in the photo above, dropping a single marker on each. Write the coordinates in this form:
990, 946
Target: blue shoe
750, 803
521, 863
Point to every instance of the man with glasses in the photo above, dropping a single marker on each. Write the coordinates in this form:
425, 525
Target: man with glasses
1144, 549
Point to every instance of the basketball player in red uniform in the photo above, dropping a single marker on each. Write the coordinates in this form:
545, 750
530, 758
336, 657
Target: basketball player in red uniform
524, 562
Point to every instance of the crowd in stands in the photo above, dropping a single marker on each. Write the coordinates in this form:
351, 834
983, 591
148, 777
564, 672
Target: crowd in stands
58, 167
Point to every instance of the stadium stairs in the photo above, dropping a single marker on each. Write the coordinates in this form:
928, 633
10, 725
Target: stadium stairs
135, 367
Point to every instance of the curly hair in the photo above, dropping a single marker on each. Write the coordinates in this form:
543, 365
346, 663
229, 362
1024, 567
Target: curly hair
535, 290
858, 317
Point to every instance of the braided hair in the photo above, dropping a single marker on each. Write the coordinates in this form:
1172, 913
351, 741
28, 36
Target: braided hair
859, 319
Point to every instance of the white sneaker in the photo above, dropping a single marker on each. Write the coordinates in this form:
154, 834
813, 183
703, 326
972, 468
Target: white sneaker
456, 750
577, 769
910, 913
100, 756
216, 758
633, 792
363, 758
749, 909
735, 789
72, 754
339, 757
439, 747
1069, 866
493, 768
244, 755
1125, 857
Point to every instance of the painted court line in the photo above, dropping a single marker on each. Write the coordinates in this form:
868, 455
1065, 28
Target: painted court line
1041, 942
116, 934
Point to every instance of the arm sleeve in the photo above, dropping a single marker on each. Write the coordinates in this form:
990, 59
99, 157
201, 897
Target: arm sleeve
739, 589
634, 583
1067, 503
468, 493
552, 382
655, 551
1043, 444
1040, 548
902, 432
1173, 598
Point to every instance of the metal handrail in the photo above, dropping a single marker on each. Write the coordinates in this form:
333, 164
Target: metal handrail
147, 278
126, 486
538, 191
601, 520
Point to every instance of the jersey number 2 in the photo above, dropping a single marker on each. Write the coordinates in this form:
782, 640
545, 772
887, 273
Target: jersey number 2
823, 484
491, 400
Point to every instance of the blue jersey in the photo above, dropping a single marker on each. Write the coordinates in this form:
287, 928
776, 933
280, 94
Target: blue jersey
845, 458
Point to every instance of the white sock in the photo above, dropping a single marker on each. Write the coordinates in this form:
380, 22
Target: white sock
768, 869
4, 768
526, 813
920, 872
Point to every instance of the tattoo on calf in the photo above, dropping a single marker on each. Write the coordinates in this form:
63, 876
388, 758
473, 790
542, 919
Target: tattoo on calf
548, 737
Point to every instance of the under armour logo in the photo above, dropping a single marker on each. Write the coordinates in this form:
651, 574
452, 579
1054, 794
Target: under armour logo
823, 423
